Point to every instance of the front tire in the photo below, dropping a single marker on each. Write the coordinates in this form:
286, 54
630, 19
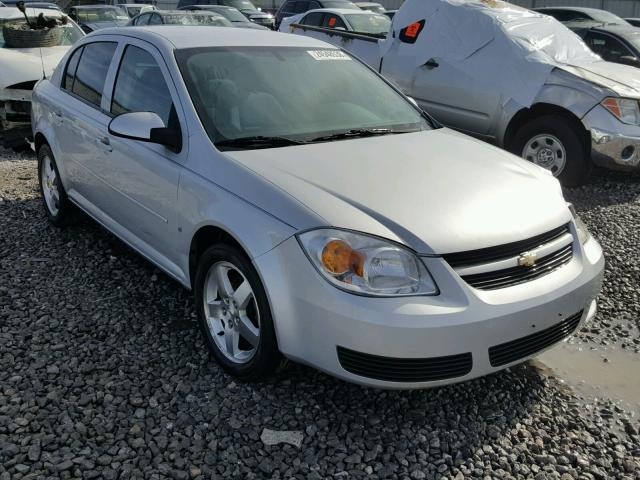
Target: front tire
60, 211
554, 143
234, 314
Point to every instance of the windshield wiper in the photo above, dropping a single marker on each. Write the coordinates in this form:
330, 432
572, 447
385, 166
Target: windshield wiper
259, 141
360, 132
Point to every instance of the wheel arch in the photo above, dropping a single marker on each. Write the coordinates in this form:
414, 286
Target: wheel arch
39, 139
203, 238
540, 109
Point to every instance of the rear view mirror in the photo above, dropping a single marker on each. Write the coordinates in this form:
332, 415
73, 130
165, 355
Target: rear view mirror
145, 127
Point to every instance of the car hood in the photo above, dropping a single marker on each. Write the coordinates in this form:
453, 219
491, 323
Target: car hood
108, 24
436, 191
19, 65
621, 79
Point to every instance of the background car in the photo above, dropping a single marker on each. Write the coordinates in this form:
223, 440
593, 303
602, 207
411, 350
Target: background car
34, 4
390, 13
372, 7
573, 14
232, 14
614, 43
134, 9
180, 17
247, 8
95, 17
633, 21
289, 8
21, 68
362, 21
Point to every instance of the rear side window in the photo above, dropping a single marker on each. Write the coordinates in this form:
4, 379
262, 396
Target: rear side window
70, 72
314, 19
92, 71
140, 86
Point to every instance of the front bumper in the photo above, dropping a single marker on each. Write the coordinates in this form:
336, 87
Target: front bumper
313, 319
15, 117
613, 143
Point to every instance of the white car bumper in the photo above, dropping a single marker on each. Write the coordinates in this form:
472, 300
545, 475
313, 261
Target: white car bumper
389, 342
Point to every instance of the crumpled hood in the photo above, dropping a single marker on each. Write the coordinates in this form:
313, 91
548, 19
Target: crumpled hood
19, 65
624, 80
108, 24
436, 191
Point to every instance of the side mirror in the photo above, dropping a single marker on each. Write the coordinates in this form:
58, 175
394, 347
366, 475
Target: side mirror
145, 127
629, 60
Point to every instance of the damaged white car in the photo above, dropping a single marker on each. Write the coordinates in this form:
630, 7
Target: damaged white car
511, 76
21, 67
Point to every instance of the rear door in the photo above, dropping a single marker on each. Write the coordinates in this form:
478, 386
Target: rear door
81, 121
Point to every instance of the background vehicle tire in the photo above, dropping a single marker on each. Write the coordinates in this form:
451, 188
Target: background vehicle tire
59, 209
554, 143
234, 314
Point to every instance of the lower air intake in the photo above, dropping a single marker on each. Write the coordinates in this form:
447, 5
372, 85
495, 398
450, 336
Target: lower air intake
404, 369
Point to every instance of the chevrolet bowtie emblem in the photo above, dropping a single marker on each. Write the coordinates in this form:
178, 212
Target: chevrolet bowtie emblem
527, 259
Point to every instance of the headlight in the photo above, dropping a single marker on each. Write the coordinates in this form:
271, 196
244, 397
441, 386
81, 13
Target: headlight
624, 109
366, 265
581, 228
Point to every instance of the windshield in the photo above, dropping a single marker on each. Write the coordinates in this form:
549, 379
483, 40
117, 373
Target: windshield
70, 32
290, 92
340, 4
373, 8
93, 15
200, 18
607, 17
374, 23
232, 14
239, 4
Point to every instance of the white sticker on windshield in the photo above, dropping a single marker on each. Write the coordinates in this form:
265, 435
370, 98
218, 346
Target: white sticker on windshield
328, 55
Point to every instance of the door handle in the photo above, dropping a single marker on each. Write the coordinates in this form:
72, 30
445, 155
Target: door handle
58, 116
431, 64
106, 143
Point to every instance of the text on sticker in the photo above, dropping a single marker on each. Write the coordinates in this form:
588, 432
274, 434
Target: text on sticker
328, 55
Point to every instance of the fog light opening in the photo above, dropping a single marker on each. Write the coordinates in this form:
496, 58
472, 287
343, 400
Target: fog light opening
628, 152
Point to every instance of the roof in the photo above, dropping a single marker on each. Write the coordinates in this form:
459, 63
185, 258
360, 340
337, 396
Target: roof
368, 4
341, 11
190, 13
573, 9
92, 7
178, 37
622, 30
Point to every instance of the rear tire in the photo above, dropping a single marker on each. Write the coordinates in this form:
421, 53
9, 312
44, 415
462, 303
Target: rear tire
555, 143
234, 314
59, 209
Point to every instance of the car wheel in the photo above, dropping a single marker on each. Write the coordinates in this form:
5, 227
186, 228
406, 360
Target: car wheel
59, 209
234, 314
553, 143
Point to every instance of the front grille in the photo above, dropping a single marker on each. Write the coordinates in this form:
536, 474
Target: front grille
513, 276
487, 279
526, 346
486, 255
404, 369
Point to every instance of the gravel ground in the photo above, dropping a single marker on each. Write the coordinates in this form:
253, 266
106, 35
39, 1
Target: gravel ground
103, 375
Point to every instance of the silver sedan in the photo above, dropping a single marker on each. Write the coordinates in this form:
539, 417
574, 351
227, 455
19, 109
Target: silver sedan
315, 211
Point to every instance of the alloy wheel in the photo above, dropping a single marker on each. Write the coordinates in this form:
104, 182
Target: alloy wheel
231, 312
50, 185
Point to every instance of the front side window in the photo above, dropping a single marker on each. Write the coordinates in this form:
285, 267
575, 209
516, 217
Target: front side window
607, 47
92, 71
264, 92
333, 21
70, 71
314, 19
140, 86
